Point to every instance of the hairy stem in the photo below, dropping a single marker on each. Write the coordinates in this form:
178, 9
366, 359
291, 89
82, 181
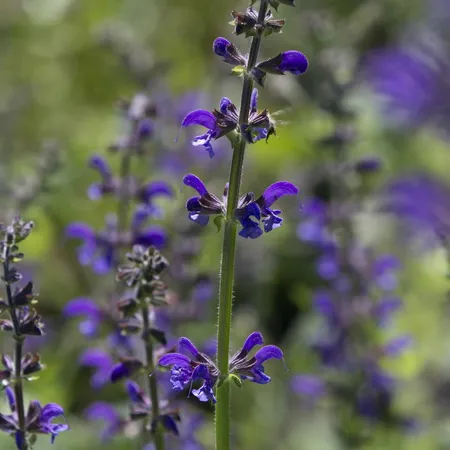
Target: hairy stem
18, 338
229, 252
158, 438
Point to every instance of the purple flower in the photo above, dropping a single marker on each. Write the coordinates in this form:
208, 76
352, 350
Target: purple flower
422, 203
225, 120
308, 386
185, 370
291, 61
313, 228
38, 420
251, 367
250, 211
205, 204
218, 123
397, 346
140, 403
127, 367
382, 311
99, 248
230, 54
110, 184
107, 185
328, 265
114, 424
150, 191
412, 85
82, 306
385, 269
99, 360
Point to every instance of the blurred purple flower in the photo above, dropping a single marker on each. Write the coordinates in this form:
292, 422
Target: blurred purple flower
396, 346
385, 269
99, 248
152, 190
82, 306
422, 203
99, 360
127, 367
413, 83
108, 184
313, 228
308, 386
114, 424
382, 311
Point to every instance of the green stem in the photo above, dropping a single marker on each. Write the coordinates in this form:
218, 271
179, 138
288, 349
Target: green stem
123, 206
229, 252
18, 338
158, 437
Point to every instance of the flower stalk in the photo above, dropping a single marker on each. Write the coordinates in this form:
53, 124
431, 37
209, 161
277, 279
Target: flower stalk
18, 339
222, 417
158, 437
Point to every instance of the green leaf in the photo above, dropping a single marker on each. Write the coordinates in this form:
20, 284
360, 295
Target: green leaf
218, 221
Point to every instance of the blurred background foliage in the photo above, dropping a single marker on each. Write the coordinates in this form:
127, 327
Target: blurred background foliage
65, 63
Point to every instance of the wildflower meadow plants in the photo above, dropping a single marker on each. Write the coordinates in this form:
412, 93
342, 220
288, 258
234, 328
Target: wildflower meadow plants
19, 303
242, 126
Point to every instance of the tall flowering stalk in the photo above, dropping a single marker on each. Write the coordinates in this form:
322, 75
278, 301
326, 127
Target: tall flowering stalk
246, 126
23, 321
356, 300
127, 314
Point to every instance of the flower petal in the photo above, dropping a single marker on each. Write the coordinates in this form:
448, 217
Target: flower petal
50, 412
134, 391
250, 228
152, 236
397, 345
82, 306
308, 385
268, 352
194, 182
254, 339
220, 46
102, 411
276, 191
225, 102
254, 101
185, 344
96, 357
200, 117
57, 428
100, 164
174, 359
11, 398
294, 62
156, 188
95, 191
80, 230
7, 423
